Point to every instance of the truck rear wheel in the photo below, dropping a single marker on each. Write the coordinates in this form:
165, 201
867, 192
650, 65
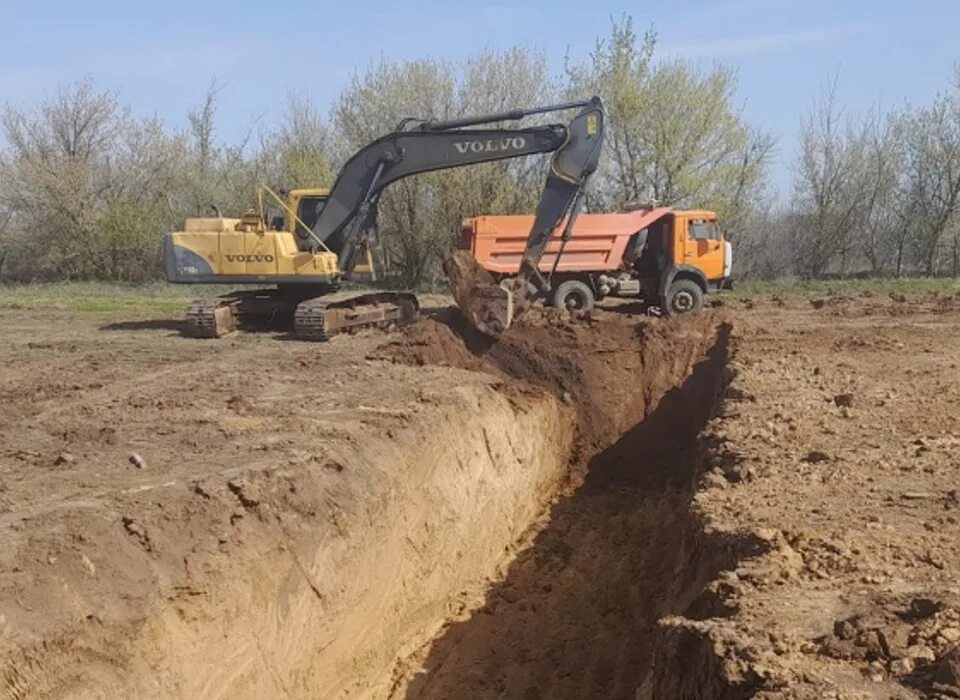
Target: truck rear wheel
683, 297
574, 295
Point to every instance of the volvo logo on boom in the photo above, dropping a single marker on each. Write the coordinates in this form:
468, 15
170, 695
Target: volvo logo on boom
513, 143
249, 258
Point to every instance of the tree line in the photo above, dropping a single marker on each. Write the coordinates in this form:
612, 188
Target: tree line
87, 188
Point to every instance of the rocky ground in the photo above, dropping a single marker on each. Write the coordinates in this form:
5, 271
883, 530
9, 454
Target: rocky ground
835, 450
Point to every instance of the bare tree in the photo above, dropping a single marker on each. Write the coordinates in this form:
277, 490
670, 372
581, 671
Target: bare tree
216, 173
420, 216
300, 151
828, 194
202, 125
876, 225
930, 182
72, 166
5, 219
619, 70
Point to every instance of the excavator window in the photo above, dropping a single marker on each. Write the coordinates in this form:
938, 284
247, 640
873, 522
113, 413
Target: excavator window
275, 217
307, 211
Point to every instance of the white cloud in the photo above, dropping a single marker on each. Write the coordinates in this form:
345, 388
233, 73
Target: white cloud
763, 43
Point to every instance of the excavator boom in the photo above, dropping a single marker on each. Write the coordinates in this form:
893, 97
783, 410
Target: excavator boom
425, 146
405, 153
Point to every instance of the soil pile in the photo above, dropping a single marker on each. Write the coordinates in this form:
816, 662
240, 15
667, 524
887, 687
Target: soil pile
612, 367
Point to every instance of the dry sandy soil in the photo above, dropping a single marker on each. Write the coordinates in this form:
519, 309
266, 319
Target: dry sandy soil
761, 500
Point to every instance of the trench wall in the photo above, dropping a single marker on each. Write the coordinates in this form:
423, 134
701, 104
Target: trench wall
324, 573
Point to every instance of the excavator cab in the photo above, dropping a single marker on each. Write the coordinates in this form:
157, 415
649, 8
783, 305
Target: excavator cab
305, 206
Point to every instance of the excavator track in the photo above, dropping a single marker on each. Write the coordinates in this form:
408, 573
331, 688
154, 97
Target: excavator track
321, 319
211, 318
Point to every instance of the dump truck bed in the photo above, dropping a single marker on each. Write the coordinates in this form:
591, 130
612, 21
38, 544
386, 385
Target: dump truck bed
598, 243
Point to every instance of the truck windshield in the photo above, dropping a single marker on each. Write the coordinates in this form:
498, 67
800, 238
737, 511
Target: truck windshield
704, 230
307, 211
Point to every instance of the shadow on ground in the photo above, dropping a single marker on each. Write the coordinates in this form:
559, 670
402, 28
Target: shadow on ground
153, 324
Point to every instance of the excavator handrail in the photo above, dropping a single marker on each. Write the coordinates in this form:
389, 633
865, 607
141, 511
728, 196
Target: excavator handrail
511, 115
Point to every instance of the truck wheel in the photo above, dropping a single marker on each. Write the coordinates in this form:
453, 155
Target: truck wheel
573, 295
683, 297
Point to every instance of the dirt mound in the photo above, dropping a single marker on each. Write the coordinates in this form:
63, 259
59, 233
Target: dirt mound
489, 307
611, 366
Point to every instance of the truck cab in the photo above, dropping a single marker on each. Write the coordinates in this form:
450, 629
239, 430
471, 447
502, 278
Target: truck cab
682, 255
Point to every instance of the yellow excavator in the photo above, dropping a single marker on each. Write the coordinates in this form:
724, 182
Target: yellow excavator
325, 237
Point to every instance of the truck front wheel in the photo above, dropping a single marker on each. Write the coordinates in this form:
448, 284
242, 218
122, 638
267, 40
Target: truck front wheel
573, 295
683, 297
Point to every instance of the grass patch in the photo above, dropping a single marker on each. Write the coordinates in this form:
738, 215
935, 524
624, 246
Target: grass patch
902, 285
104, 297
159, 297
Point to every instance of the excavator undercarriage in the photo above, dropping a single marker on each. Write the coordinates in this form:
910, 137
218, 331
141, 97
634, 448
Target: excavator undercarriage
308, 316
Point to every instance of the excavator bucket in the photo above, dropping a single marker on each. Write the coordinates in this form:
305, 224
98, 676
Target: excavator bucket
487, 307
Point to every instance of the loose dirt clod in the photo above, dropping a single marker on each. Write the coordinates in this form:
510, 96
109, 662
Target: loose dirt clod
611, 366
948, 672
924, 607
843, 400
486, 306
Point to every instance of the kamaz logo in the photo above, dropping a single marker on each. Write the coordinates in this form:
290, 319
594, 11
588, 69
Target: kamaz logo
514, 143
248, 258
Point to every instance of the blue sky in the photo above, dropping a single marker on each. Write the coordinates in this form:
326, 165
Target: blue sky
161, 56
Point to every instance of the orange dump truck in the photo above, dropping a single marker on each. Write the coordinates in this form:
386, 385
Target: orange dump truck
669, 258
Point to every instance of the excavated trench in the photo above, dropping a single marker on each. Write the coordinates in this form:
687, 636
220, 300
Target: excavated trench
518, 534
575, 613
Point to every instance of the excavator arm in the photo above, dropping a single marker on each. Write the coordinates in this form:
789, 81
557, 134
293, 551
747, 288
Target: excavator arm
426, 146
570, 168
491, 307
346, 214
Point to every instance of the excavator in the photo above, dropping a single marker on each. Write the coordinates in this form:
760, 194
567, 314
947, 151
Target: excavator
301, 260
